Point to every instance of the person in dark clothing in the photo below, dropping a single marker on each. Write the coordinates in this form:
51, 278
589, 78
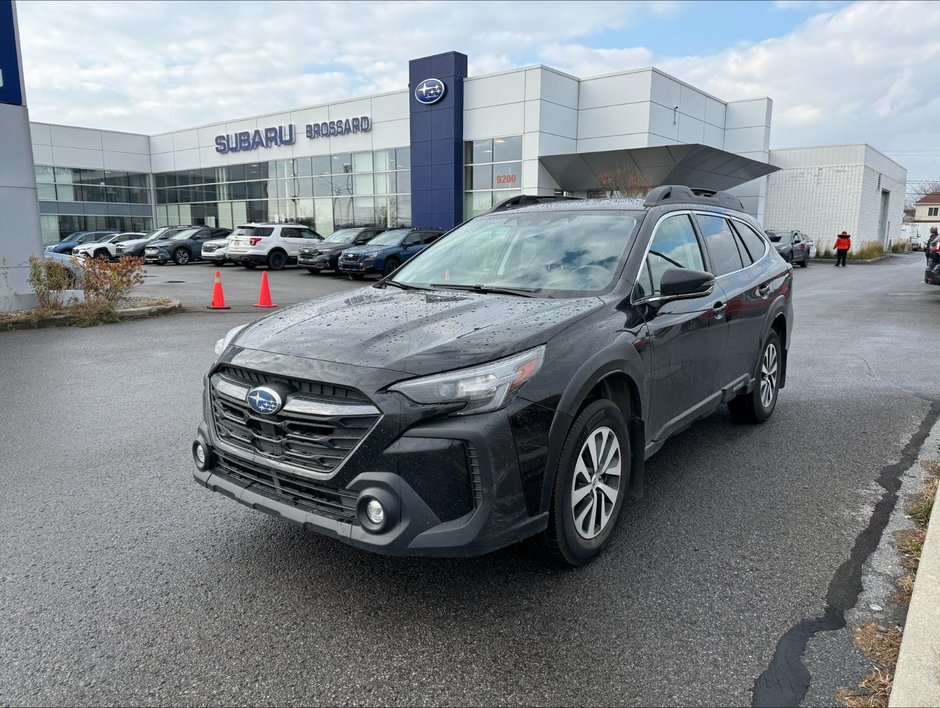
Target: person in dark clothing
843, 244
931, 240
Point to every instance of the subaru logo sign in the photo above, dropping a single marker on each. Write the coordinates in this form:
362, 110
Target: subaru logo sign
430, 91
264, 400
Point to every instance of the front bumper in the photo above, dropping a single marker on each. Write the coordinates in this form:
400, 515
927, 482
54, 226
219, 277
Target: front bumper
318, 262
249, 258
357, 267
158, 257
453, 485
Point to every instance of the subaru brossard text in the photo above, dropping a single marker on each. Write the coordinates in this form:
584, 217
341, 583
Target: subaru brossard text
508, 381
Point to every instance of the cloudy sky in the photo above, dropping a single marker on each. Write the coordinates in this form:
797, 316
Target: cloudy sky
838, 72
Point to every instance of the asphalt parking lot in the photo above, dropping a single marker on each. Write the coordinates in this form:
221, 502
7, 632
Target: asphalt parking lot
123, 582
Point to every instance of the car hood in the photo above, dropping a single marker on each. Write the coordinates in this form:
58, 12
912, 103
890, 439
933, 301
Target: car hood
331, 248
414, 332
134, 243
369, 250
166, 243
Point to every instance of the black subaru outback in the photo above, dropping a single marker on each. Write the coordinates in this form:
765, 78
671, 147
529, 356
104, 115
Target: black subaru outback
508, 381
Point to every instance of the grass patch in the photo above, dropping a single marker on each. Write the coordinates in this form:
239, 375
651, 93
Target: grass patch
93, 312
881, 646
865, 251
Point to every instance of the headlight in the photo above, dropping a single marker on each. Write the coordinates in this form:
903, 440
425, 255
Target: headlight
221, 345
483, 388
369, 260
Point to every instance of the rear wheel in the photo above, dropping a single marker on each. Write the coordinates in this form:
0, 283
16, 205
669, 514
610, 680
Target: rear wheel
102, 255
181, 256
805, 261
590, 486
277, 260
758, 405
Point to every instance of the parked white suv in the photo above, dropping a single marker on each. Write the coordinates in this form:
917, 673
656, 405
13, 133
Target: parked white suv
106, 247
274, 245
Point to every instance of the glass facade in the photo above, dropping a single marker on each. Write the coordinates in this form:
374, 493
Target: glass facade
493, 172
325, 192
73, 199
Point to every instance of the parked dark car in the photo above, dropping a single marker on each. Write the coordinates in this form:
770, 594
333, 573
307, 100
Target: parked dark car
325, 255
183, 246
384, 253
77, 239
794, 246
510, 380
135, 248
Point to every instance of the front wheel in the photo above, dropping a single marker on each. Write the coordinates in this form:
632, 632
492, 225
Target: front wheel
758, 405
249, 266
391, 265
590, 486
313, 271
181, 256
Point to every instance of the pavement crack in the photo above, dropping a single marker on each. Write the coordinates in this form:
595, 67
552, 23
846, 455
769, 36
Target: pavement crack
879, 379
786, 679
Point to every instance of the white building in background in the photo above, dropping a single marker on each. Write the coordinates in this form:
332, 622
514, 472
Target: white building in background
926, 214
823, 191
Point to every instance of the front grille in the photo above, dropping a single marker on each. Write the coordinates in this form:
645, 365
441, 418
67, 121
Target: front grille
306, 251
475, 479
350, 257
318, 428
119, 249
337, 504
209, 248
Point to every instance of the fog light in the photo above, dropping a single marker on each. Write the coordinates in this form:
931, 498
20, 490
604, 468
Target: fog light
202, 456
375, 512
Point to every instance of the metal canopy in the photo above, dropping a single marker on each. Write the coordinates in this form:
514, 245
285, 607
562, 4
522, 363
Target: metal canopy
691, 165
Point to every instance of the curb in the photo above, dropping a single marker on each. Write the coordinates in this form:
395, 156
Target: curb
867, 261
130, 313
917, 676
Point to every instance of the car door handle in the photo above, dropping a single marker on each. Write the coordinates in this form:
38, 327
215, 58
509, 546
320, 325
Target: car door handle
764, 290
719, 309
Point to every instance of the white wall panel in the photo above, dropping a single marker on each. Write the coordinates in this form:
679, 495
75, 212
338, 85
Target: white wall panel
494, 90
188, 159
186, 140
663, 122
126, 161
310, 115
208, 157
714, 136
348, 109
125, 142
555, 145
161, 143
558, 120
632, 87
618, 142
42, 155
692, 102
691, 130
664, 90
613, 120
162, 162
714, 112
533, 84
393, 106
745, 114
558, 88
40, 133
493, 121
391, 134
85, 138
77, 157
740, 140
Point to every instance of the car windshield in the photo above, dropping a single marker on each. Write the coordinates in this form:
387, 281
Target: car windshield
182, 235
342, 236
390, 238
553, 253
88, 238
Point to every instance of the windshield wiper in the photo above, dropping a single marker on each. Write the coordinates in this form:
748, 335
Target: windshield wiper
521, 292
403, 286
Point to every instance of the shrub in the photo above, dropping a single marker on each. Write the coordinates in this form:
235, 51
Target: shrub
900, 247
111, 281
867, 250
92, 312
49, 278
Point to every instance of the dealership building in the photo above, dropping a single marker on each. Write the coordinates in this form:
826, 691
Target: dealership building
442, 149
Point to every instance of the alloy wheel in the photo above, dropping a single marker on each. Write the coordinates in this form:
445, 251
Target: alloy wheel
768, 376
595, 485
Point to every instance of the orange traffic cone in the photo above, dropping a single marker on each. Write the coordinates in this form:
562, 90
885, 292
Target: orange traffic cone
264, 297
218, 299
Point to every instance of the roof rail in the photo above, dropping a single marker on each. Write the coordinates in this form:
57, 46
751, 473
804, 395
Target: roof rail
521, 200
680, 194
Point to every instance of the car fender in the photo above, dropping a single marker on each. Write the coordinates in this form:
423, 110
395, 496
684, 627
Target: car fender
621, 357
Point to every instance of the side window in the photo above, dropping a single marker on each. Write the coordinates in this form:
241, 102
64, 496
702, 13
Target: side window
308, 233
289, 233
753, 241
720, 243
674, 246
431, 237
411, 240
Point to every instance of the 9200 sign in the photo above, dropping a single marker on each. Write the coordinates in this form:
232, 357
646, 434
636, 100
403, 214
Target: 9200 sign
505, 179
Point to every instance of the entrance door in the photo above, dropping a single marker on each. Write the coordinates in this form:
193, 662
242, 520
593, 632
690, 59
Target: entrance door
883, 218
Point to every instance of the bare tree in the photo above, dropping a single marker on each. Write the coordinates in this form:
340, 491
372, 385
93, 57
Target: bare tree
625, 182
918, 190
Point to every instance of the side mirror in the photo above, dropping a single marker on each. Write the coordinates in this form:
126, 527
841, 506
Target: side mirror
682, 283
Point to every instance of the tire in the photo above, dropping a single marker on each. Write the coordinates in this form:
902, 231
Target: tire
356, 276
805, 261
575, 535
313, 271
758, 405
181, 256
102, 255
277, 260
249, 266
390, 266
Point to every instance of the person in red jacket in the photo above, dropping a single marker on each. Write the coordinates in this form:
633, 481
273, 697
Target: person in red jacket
843, 244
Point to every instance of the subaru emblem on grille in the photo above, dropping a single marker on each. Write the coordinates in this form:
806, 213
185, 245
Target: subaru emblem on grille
264, 400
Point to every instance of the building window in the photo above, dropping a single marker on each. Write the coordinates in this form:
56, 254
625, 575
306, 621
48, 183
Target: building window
932, 211
325, 192
493, 172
